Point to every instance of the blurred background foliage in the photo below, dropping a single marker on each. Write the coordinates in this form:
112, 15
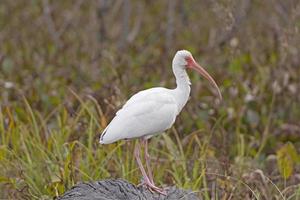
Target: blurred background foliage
67, 66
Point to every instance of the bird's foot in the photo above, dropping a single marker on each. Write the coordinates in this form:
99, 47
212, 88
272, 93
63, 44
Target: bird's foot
153, 188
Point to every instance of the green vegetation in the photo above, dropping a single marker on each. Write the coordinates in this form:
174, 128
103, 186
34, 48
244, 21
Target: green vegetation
67, 66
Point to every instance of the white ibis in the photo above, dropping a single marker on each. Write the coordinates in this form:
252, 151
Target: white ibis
152, 111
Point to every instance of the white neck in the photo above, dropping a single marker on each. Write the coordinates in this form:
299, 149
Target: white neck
183, 89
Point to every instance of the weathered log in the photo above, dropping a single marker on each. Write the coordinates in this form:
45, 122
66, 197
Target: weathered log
118, 189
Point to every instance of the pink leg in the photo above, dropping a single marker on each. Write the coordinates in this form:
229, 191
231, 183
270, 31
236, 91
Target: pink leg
138, 159
148, 183
147, 157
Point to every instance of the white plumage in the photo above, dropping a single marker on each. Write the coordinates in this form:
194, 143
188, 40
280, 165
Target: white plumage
144, 114
153, 111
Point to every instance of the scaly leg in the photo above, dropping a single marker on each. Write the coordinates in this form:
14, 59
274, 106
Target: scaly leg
147, 157
148, 183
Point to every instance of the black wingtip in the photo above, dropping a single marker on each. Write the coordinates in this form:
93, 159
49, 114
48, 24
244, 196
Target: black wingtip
101, 137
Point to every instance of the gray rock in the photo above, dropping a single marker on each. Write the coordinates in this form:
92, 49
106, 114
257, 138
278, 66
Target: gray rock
118, 189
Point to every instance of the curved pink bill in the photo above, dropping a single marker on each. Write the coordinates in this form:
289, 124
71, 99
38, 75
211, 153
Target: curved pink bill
194, 65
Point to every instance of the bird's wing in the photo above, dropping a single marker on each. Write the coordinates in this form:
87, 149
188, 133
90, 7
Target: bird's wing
158, 95
145, 113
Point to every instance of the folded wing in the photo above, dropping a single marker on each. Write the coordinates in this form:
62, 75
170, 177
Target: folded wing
144, 114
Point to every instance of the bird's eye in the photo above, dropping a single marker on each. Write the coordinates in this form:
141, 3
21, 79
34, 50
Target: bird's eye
189, 60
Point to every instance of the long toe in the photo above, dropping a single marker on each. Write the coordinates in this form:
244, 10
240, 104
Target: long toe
154, 188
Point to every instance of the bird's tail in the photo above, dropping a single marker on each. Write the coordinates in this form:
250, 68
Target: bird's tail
101, 141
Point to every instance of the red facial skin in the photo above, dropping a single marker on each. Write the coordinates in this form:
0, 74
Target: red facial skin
192, 64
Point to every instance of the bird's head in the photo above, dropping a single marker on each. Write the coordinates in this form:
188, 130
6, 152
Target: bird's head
184, 59
181, 58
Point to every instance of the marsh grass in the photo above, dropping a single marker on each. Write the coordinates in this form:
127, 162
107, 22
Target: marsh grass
43, 156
